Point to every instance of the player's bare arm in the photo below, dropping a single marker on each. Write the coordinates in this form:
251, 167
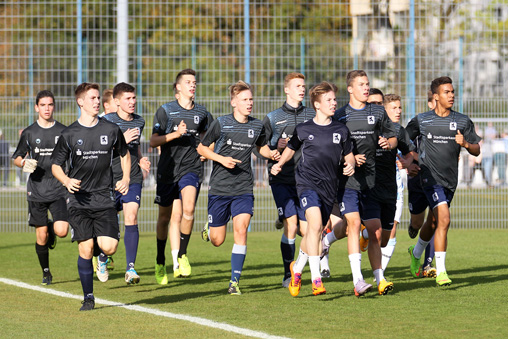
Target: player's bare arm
285, 157
209, 154
349, 164
72, 185
157, 140
473, 149
122, 186
268, 153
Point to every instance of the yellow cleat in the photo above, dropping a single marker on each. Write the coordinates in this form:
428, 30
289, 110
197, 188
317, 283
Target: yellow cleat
384, 287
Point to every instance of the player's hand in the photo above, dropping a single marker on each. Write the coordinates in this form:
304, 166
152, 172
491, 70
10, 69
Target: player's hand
144, 164
274, 155
229, 162
413, 169
282, 143
403, 162
73, 185
383, 142
360, 159
349, 169
122, 186
182, 128
29, 165
459, 139
131, 134
203, 159
275, 169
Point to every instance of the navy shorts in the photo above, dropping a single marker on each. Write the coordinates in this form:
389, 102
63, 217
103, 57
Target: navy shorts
384, 211
87, 224
437, 195
134, 195
350, 200
417, 200
221, 208
286, 200
38, 212
167, 193
310, 198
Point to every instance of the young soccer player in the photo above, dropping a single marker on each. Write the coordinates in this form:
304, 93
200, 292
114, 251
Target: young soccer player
177, 127
108, 102
230, 193
132, 126
44, 192
280, 126
324, 144
443, 132
88, 145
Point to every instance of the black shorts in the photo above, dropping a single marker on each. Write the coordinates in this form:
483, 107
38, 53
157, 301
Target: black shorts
38, 212
87, 224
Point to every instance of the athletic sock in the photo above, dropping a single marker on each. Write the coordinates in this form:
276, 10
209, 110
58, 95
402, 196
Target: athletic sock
323, 263
314, 267
161, 248
440, 262
355, 261
174, 255
43, 255
429, 253
131, 241
301, 261
378, 275
387, 253
419, 247
330, 238
237, 259
96, 249
85, 271
184, 242
287, 249
102, 257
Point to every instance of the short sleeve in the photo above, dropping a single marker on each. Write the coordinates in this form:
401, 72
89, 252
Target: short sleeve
212, 134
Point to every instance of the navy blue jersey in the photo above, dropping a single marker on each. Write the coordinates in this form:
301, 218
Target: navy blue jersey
323, 148
179, 156
38, 143
237, 140
439, 153
280, 124
366, 125
138, 123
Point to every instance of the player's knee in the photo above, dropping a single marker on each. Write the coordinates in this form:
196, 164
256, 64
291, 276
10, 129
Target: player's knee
216, 241
189, 216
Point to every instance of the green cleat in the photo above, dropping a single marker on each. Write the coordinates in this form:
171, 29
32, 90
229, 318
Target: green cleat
443, 280
94, 264
184, 266
233, 288
205, 232
110, 263
415, 266
160, 274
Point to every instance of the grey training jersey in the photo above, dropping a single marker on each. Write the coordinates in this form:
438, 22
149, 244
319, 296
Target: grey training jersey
237, 140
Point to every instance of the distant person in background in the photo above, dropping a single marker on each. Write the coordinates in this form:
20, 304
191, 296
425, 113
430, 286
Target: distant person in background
499, 150
108, 102
487, 153
5, 160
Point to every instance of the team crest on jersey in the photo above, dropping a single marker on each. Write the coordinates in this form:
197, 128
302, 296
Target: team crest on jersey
80, 142
104, 139
304, 201
281, 212
36, 150
229, 142
37, 141
196, 119
336, 138
429, 136
371, 120
453, 126
311, 137
250, 133
157, 126
56, 139
210, 218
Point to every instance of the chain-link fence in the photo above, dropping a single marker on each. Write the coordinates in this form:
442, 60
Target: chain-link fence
401, 44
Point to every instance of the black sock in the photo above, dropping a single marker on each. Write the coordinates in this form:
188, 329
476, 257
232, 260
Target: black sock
85, 271
96, 249
161, 248
43, 255
288, 255
184, 242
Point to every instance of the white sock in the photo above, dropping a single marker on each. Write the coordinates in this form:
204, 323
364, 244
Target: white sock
440, 262
314, 267
387, 253
378, 274
330, 238
419, 248
324, 263
301, 261
355, 260
174, 254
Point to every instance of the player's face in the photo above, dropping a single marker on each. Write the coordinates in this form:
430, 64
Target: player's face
90, 103
295, 89
110, 106
376, 99
445, 96
243, 102
394, 110
127, 102
45, 108
359, 88
327, 104
186, 86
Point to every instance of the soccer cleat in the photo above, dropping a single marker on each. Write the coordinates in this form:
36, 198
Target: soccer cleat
88, 304
176, 273
361, 287
443, 280
412, 232
234, 289
131, 277
415, 266
94, 264
52, 238
286, 281
296, 281
325, 248
47, 279
384, 287
110, 263
364, 242
279, 224
185, 268
429, 272
102, 271
325, 274
317, 287
205, 232
160, 274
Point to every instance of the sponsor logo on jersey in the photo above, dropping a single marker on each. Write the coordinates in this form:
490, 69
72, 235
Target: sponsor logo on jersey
78, 152
56, 139
104, 139
80, 142
311, 137
435, 197
250, 133
196, 119
429, 136
36, 150
157, 126
210, 218
336, 138
281, 212
453, 126
37, 141
229, 142
304, 201
371, 120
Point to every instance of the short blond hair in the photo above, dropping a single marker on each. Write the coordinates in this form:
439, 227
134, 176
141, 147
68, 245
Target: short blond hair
238, 87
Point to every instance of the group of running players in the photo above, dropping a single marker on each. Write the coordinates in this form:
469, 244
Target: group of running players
333, 173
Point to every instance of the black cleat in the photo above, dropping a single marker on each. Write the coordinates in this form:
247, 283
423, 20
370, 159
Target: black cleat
47, 279
88, 304
325, 274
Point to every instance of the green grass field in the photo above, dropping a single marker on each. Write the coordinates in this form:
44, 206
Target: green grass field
474, 305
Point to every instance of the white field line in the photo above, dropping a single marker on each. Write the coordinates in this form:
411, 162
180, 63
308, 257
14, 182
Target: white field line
195, 320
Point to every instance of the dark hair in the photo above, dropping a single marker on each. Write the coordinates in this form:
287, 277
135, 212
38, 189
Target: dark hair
44, 94
122, 88
318, 90
352, 75
374, 91
83, 88
434, 85
186, 71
